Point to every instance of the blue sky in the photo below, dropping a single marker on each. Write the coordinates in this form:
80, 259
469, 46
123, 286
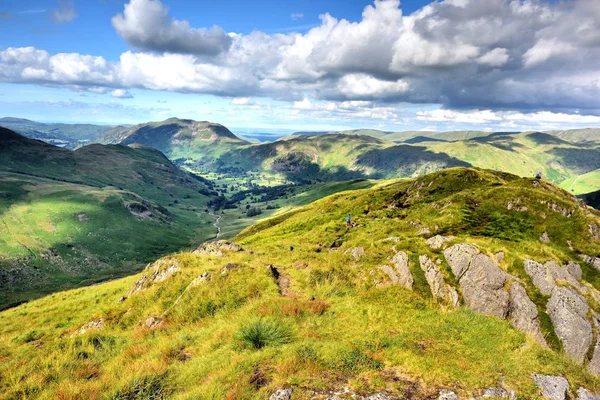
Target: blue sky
304, 65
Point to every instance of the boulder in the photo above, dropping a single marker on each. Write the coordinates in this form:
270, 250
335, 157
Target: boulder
356, 253
216, 248
594, 261
584, 394
481, 280
92, 325
545, 238
594, 231
552, 387
282, 394
437, 284
594, 365
437, 242
400, 263
229, 267
568, 311
447, 395
156, 272
539, 276
498, 393
152, 322
523, 313
544, 276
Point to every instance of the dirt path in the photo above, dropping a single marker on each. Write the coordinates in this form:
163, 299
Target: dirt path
216, 224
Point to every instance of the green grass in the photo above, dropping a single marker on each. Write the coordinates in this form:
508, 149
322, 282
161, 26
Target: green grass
236, 336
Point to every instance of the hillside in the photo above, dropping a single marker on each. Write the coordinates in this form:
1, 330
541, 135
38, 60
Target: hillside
66, 135
185, 142
463, 282
69, 218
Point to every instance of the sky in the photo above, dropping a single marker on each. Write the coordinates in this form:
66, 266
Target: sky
502, 65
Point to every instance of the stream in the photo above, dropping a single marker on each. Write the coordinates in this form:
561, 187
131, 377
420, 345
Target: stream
216, 224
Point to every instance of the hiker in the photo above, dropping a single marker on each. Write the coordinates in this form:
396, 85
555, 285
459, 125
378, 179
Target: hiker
348, 223
538, 176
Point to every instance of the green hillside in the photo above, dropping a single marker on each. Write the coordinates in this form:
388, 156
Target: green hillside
308, 305
69, 218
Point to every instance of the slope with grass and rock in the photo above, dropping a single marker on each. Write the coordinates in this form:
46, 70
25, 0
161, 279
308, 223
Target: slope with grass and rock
463, 283
72, 218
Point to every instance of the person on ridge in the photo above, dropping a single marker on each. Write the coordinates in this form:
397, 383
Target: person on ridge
348, 223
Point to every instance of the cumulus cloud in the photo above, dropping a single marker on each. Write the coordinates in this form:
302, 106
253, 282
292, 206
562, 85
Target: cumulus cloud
121, 94
497, 55
145, 24
65, 12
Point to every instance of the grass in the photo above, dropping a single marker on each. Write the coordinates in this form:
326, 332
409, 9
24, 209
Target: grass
236, 336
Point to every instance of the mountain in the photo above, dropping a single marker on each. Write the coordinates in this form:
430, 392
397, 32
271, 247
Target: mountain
186, 142
465, 282
70, 218
66, 135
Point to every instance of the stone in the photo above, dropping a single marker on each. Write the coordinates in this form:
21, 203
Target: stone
594, 365
545, 238
594, 261
92, 325
594, 231
281, 394
394, 239
437, 242
229, 267
152, 322
437, 284
216, 248
356, 253
568, 312
481, 280
539, 275
499, 256
82, 217
498, 393
156, 272
378, 396
447, 395
574, 270
400, 263
584, 394
523, 313
552, 387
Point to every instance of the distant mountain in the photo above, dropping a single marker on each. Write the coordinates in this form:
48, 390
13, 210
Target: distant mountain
69, 218
67, 135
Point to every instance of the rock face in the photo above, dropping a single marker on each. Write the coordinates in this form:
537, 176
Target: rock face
594, 365
399, 273
568, 311
552, 387
544, 276
584, 394
216, 248
282, 394
437, 284
523, 313
157, 272
481, 280
437, 242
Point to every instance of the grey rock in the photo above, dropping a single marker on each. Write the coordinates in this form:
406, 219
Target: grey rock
229, 267
158, 271
282, 394
437, 242
437, 284
568, 311
594, 261
93, 325
552, 387
378, 396
459, 257
499, 256
584, 394
540, 277
447, 395
481, 280
594, 231
545, 238
152, 322
594, 365
498, 393
216, 248
400, 262
574, 270
356, 253
523, 313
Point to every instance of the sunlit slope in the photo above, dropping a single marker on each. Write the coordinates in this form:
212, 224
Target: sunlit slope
305, 304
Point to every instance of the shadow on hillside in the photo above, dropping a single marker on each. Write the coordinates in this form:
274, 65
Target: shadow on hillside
544, 138
580, 160
502, 142
404, 160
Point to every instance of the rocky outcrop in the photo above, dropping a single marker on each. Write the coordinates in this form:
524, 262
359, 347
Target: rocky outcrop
399, 273
282, 394
92, 325
217, 248
356, 253
568, 311
552, 387
439, 288
584, 394
437, 242
594, 261
481, 280
156, 272
523, 313
498, 393
594, 231
545, 238
544, 276
152, 322
594, 365
447, 395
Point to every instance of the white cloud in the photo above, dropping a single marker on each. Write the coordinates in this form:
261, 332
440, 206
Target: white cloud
145, 24
296, 16
241, 101
121, 94
65, 12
